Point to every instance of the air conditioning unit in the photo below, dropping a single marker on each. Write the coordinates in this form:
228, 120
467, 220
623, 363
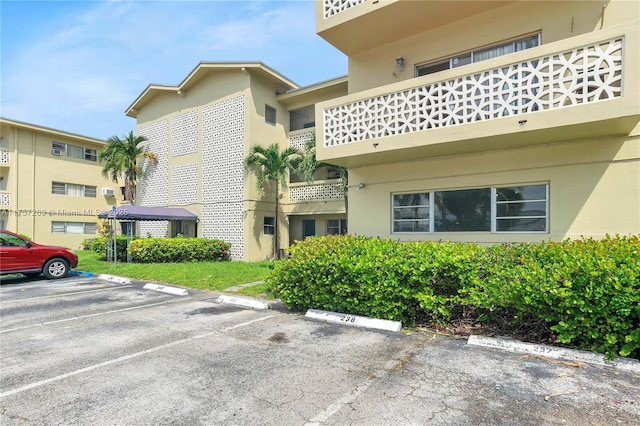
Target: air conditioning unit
108, 192
56, 151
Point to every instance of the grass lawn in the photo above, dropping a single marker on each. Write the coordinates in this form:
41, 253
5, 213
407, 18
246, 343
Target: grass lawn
198, 275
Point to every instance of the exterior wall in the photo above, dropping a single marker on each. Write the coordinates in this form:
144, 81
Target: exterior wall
28, 177
260, 205
586, 150
201, 139
594, 188
555, 20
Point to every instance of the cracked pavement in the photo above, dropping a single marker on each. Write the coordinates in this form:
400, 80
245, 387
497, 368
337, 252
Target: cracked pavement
85, 352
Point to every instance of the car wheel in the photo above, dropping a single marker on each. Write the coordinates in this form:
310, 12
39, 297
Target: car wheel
55, 268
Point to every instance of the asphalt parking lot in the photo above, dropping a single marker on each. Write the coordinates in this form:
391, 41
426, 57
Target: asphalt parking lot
81, 351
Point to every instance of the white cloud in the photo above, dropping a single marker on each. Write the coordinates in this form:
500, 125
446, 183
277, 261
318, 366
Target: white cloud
84, 68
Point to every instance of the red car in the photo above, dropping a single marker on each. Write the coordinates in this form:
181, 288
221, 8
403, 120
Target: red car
19, 255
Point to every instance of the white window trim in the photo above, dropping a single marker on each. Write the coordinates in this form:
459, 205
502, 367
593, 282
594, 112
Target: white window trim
493, 208
451, 58
66, 189
494, 211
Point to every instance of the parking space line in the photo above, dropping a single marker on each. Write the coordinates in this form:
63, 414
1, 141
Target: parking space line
127, 357
91, 315
64, 294
351, 396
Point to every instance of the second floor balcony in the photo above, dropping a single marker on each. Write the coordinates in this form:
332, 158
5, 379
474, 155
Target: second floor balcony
584, 87
320, 190
356, 25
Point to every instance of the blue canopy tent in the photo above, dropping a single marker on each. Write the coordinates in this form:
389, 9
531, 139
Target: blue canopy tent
129, 213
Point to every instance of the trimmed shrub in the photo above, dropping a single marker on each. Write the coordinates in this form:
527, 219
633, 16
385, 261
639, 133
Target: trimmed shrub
99, 245
373, 277
165, 250
585, 292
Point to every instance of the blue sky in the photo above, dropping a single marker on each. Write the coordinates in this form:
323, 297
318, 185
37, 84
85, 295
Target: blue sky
77, 65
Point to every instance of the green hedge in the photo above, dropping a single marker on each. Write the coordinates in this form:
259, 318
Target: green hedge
163, 250
99, 245
587, 292
166, 250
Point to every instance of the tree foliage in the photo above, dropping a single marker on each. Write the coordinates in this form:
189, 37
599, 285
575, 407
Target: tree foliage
122, 159
272, 167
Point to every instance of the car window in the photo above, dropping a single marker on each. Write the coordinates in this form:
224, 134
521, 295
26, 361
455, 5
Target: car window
8, 240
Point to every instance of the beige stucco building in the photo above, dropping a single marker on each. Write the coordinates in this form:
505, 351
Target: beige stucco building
51, 187
486, 121
202, 129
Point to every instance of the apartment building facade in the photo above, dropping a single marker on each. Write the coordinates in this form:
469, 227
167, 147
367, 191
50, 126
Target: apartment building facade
202, 129
51, 187
486, 121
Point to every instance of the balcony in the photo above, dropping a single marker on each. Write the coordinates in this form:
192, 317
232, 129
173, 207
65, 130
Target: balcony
356, 25
317, 191
4, 157
547, 95
299, 138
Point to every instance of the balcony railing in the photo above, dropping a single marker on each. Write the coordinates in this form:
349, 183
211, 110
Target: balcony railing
333, 7
586, 74
4, 157
316, 192
299, 138
5, 199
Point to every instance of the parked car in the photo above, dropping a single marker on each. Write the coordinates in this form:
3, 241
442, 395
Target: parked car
20, 255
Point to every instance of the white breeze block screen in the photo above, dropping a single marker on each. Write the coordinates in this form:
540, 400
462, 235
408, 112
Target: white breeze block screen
153, 186
223, 142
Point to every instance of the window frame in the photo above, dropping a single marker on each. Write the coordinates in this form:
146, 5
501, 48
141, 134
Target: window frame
493, 229
341, 227
269, 228
453, 61
85, 189
59, 227
88, 154
270, 111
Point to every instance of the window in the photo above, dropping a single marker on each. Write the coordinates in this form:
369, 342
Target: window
269, 114
61, 188
499, 209
521, 208
59, 148
336, 226
462, 211
478, 55
269, 225
333, 172
73, 228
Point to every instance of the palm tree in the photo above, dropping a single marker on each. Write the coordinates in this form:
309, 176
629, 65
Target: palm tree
271, 166
309, 165
121, 158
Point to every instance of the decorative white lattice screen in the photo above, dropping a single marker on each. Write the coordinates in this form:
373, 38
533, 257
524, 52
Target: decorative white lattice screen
583, 75
184, 133
316, 191
153, 186
184, 184
299, 140
333, 7
223, 173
